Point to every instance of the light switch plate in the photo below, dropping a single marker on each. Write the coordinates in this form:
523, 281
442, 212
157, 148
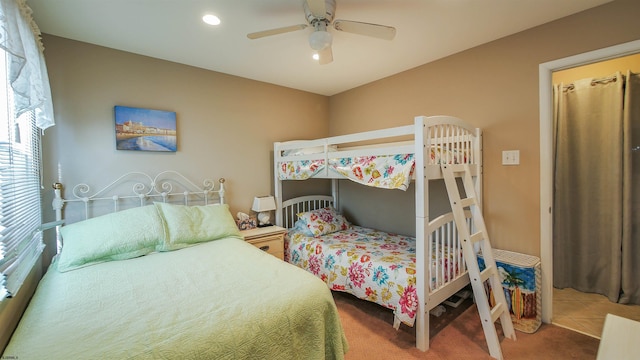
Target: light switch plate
511, 157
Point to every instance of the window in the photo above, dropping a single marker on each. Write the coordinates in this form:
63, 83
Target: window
25, 111
20, 210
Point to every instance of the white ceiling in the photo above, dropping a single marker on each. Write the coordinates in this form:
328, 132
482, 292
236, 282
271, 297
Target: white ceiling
172, 30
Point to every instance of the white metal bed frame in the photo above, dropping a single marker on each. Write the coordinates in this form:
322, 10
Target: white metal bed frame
446, 132
164, 187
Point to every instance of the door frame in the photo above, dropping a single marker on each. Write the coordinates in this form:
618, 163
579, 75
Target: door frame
546, 155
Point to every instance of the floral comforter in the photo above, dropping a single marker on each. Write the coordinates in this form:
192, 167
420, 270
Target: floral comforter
369, 264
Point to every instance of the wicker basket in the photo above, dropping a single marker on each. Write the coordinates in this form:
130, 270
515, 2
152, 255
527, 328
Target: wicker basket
521, 279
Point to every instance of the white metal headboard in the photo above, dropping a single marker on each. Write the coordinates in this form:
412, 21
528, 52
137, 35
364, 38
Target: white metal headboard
162, 187
165, 185
143, 189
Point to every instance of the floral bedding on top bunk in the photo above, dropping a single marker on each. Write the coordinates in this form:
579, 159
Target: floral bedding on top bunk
370, 264
382, 171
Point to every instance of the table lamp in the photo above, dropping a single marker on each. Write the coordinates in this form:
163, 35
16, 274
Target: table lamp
263, 206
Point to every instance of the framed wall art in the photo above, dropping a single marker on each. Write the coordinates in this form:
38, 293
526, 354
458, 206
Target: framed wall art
145, 129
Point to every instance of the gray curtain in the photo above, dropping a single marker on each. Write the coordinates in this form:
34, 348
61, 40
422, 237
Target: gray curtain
630, 291
596, 215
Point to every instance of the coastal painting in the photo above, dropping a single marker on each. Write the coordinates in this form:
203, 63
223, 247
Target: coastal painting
145, 129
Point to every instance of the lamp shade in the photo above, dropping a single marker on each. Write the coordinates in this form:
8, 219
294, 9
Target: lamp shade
263, 203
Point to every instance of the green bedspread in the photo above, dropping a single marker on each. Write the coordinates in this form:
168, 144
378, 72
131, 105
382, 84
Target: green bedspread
223, 299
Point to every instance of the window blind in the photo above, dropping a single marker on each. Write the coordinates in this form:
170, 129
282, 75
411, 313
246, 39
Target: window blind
20, 203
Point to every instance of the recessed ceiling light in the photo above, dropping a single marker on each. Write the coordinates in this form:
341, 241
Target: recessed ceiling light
316, 56
211, 19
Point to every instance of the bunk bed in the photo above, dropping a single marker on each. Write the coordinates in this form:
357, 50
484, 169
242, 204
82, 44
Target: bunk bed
428, 268
157, 268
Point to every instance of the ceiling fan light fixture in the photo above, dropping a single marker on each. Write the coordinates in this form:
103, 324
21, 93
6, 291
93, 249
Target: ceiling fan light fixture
319, 15
319, 40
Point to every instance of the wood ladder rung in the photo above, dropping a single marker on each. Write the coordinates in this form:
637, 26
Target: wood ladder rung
467, 202
479, 236
487, 272
456, 168
497, 311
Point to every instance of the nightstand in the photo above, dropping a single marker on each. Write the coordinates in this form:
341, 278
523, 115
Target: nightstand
269, 239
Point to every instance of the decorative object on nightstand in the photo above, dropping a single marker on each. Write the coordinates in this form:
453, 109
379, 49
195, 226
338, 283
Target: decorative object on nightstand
245, 222
263, 206
269, 239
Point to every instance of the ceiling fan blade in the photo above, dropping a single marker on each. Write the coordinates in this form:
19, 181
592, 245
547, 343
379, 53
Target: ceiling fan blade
361, 28
282, 30
325, 56
317, 8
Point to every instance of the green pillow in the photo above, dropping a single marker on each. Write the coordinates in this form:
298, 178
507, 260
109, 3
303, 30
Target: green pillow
186, 225
116, 236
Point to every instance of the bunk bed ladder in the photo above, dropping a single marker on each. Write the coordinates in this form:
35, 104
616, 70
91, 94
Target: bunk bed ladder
471, 243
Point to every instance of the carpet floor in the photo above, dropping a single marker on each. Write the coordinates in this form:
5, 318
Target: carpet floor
455, 335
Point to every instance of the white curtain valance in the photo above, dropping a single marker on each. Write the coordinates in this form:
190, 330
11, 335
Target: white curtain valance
27, 71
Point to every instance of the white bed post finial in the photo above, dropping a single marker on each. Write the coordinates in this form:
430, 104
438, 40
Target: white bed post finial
221, 191
57, 204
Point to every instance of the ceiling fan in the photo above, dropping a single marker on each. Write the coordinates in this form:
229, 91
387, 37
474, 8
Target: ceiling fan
319, 15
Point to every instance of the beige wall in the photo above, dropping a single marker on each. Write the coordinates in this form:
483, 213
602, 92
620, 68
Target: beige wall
495, 87
226, 124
